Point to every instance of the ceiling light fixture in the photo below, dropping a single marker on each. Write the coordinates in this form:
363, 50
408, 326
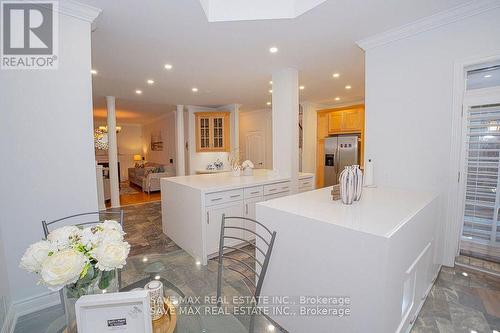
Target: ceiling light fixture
337, 98
273, 49
138, 92
270, 91
168, 66
336, 75
487, 76
465, 274
348, 87
270, 328
268, 103
302, 87
93, 72
150, 82
194, 89
270, 82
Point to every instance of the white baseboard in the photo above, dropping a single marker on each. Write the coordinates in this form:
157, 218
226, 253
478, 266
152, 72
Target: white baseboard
27, 306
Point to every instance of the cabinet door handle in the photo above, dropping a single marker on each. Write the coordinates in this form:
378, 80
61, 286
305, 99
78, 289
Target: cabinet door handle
235, 196
216, 199
208, 218
272, 189
246, 209
255, 192
284, 188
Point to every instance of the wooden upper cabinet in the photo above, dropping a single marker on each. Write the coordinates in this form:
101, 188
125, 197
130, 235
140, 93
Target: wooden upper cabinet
335, 122
212, 131
345, 121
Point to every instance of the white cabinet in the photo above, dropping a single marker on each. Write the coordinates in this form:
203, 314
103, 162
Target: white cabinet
306, 184
213, 217
250, 213
276, 196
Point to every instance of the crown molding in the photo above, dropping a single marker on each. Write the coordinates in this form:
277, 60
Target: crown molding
79, 10
428, 23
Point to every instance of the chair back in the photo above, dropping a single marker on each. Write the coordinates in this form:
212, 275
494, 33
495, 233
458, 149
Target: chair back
83, 219
227, 252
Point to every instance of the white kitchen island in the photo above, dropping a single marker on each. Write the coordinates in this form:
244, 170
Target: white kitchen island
192, 206
382, 253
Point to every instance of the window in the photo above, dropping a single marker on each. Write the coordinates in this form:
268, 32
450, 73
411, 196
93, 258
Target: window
212, 131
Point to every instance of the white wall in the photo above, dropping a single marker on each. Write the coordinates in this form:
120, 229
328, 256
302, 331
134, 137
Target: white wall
166, 125
47, 134
257, 120
409, 92
4, 283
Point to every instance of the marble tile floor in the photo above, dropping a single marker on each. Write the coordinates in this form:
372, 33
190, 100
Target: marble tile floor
457, 303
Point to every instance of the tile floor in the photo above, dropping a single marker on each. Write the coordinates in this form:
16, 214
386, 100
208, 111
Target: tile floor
458, 302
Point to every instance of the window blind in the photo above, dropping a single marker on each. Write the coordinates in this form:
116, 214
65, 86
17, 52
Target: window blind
482, 192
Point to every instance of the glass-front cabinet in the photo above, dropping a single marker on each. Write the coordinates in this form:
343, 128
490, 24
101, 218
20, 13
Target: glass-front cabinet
212, 131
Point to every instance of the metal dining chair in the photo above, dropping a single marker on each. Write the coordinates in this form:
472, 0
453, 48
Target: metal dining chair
84, 219
226, 253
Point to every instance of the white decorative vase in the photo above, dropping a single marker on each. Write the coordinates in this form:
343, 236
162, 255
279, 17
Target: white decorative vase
347, 188
236, 172
247, 172
358, 182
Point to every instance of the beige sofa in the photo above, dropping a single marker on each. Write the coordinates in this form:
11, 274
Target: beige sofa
148, 177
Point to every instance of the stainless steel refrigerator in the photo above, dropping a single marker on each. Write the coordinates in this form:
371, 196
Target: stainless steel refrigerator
340, 150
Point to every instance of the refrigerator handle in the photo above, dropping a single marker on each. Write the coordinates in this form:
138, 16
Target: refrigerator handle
337, 160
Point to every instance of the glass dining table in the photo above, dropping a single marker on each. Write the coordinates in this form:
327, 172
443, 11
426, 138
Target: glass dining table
191, 287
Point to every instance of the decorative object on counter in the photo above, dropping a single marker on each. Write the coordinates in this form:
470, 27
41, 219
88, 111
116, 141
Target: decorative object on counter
219, 165
211, 166
336, 192
155, 290
358, 182
247, 168
368, 179
83, 261
234, 162
347, 190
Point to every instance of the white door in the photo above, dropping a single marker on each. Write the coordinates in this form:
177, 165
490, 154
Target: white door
255, 148
214, 220
251, 214
480, 184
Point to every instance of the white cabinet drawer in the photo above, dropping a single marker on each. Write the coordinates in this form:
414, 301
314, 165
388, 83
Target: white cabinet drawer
252, 192
217, 198
306, 184
276, 196
276, 188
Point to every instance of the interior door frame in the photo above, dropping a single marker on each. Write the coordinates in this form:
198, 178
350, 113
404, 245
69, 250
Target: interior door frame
452, 216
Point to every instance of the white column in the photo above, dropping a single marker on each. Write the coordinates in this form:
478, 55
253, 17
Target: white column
180, 168
113, 153
286, 124
235, 135
309, 125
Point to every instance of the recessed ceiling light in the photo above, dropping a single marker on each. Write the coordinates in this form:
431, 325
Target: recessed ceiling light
268, 103
150, 81
194, 89
93, 72
487, 76
473, 331
270, 328
465, 274
198, 263
337, 98
270, 91
270, 82
157, 277
302, 87
138, 92
273, 49
145, 259
168, 66
348, 87
336, 75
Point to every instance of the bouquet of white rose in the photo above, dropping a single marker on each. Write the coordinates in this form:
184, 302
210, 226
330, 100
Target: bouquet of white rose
76, 257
